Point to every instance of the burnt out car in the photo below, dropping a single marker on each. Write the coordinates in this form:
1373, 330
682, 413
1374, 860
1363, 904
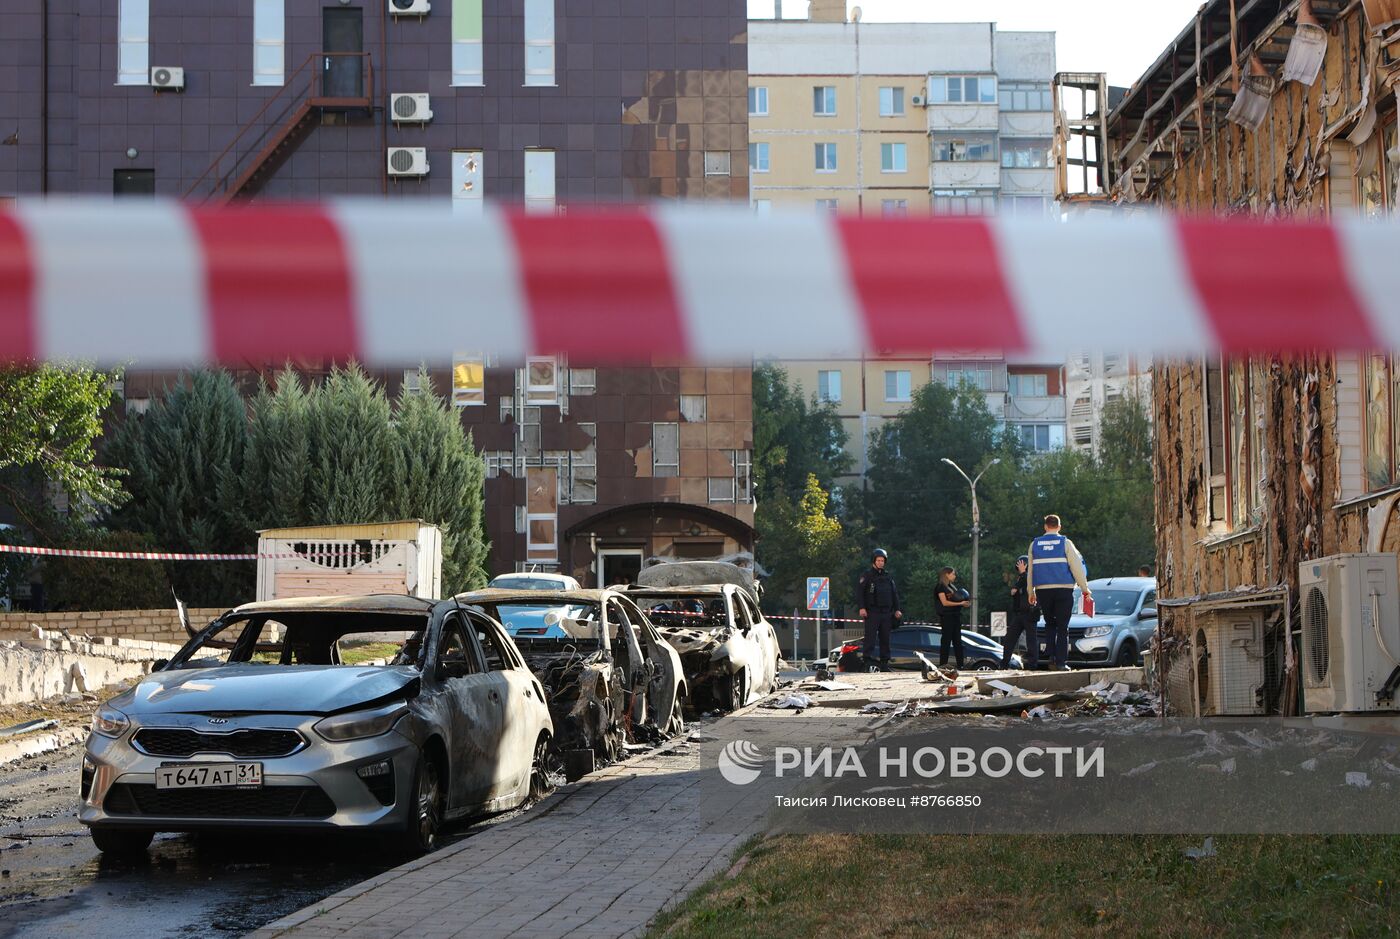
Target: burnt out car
728, 650
387, 714
609, 677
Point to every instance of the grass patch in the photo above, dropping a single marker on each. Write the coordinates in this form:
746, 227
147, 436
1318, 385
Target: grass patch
368, 652
1041, 885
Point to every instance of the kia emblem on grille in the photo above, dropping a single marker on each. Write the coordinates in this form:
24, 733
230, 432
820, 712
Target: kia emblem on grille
218, 720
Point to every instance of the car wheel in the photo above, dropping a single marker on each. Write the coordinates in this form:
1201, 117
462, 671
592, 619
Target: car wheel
545, 769
676, 725
420, 831
121, 841
984, 666
1127, 654
736, 691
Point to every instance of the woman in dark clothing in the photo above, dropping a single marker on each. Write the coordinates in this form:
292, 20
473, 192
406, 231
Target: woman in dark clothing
949, 600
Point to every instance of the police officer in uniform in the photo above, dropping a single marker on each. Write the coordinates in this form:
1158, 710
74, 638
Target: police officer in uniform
879, 607
1056, 566
1023, 620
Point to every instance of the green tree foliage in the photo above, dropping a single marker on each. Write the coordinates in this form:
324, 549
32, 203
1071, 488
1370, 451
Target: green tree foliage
352, 445
799, 539
98, 584
50, 419
178, 458
793, 438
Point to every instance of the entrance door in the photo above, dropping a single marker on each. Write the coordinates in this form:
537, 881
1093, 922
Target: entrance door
618, 566
342, 30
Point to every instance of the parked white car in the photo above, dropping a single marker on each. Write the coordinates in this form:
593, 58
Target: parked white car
531, 580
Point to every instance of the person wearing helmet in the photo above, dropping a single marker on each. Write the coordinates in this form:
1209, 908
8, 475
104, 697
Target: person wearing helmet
1024, 618
879, 607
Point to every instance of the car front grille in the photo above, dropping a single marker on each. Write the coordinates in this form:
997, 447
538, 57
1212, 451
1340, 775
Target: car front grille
271, 802
250, 742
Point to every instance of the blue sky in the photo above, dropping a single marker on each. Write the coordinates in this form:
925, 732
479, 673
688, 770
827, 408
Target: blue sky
1120, 37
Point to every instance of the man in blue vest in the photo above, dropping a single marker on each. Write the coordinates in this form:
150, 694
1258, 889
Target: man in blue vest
1056, 566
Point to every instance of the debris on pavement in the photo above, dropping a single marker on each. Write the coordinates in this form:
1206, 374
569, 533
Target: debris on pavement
830, 685
794, 701
878, 707
1359, 780
29, 727
1206, 850
1039, 713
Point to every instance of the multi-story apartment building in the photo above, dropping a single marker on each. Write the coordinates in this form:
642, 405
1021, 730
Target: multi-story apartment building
899, 118
1096, 379
535, 102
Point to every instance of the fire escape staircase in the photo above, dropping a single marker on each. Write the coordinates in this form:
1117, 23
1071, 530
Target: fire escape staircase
319, 86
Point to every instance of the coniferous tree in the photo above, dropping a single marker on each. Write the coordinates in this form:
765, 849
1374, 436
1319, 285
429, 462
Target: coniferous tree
351, 449
272, 492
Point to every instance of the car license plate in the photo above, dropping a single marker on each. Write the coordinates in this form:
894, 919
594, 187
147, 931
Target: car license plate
209, 776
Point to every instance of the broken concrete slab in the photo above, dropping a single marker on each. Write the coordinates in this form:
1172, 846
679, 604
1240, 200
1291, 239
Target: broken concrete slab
1066, 681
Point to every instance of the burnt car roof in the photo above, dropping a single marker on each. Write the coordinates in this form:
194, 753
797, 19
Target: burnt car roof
373, 603
536, 597
708, 590
692, 573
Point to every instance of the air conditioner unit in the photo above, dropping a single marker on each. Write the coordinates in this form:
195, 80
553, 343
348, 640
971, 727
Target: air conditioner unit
408, 161
1351, 633
1227, 663
409, 7
919, 101
410, 109
168, 77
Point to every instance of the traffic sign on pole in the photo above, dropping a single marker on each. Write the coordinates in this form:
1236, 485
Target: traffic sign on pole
818, 593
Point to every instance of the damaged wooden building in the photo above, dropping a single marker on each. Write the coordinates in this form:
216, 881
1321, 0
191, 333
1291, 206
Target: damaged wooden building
1268, 108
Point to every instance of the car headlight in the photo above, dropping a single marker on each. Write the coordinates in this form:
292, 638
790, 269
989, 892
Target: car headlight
109, 722
1094, 632
356, 725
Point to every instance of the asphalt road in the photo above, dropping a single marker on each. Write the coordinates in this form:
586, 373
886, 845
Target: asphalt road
54, 883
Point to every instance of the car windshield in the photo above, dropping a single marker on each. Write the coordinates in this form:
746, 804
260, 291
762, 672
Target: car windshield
528, 583
351, 639
698, 610
1115, 602
530, 623
525, 616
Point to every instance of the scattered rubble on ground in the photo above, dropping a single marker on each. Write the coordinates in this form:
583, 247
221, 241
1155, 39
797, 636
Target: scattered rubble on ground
793, 700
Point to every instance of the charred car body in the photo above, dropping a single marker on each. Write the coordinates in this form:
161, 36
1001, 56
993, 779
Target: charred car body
609, 676
386, 713
728, 650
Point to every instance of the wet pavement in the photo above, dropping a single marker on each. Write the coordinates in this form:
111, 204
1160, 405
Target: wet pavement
54, 883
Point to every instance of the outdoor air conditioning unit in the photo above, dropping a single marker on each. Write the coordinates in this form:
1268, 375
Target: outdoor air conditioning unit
410, 109
918, 100
408, 161
1351, 633
409, 7
168, 78
1227, 663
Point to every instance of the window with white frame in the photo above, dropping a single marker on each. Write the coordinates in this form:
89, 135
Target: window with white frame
665, 450
1026, 96
1028, 385
737, 486
539, 181
693, 408
891, 102
758, 158
894, 208
539, 42
468, 380
468, 182
1027, 206
825, 157
962, 89
134, 42
824, 101
978, 376
717, 163
467, 69
1025, 154
964, 202
964, 148
828, 205
894, 158
498, 462
541, 380
269, 42
829, 386
898, 385
1042, 438
583, 381
758, 101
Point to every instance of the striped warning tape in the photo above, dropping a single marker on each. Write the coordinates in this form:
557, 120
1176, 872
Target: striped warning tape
168, 284
156, 555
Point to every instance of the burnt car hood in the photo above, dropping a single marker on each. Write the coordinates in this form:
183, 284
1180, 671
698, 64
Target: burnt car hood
293, 689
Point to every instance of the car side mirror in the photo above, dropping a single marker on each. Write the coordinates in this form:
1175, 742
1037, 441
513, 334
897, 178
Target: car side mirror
1148, 614
159, 665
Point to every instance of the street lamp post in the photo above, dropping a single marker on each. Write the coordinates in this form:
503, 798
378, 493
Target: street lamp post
972, 482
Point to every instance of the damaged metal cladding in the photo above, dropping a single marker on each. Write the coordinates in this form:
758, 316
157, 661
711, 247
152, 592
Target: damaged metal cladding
609, 677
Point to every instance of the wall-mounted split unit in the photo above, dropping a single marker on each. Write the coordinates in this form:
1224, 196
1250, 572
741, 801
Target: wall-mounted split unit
410, 109
1227, 663
409, 7
408, 161
168, 78
1351, 633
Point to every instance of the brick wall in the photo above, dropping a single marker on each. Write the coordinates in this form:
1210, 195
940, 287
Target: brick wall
147, 625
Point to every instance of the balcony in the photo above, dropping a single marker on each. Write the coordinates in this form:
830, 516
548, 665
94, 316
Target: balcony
1035, 408
1027, 124
958, 118
965, 175
1033, 181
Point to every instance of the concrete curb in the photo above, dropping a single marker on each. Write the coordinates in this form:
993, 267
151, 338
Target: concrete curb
36, 744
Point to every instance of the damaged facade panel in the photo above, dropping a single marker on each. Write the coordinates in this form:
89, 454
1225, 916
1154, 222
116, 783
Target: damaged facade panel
1267, 462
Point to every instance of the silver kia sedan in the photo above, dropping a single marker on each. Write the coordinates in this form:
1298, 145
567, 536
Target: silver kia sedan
384, 713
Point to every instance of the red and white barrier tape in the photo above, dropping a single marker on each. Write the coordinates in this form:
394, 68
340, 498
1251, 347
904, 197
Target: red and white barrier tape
392, 284
834, 619
161, 555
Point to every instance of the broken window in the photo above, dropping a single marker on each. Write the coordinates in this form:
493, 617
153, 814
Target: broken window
542, 380
498, 461
1379, 464
583, 470
530, 433
542, 513
737, 486
1026, 154
468, 182
693, 408
583, 381
1217, 469
468, 380
665, 450
964, 148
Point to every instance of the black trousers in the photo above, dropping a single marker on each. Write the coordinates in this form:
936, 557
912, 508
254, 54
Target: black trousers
1057, 604
952, 639
1022, 623
878, 624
